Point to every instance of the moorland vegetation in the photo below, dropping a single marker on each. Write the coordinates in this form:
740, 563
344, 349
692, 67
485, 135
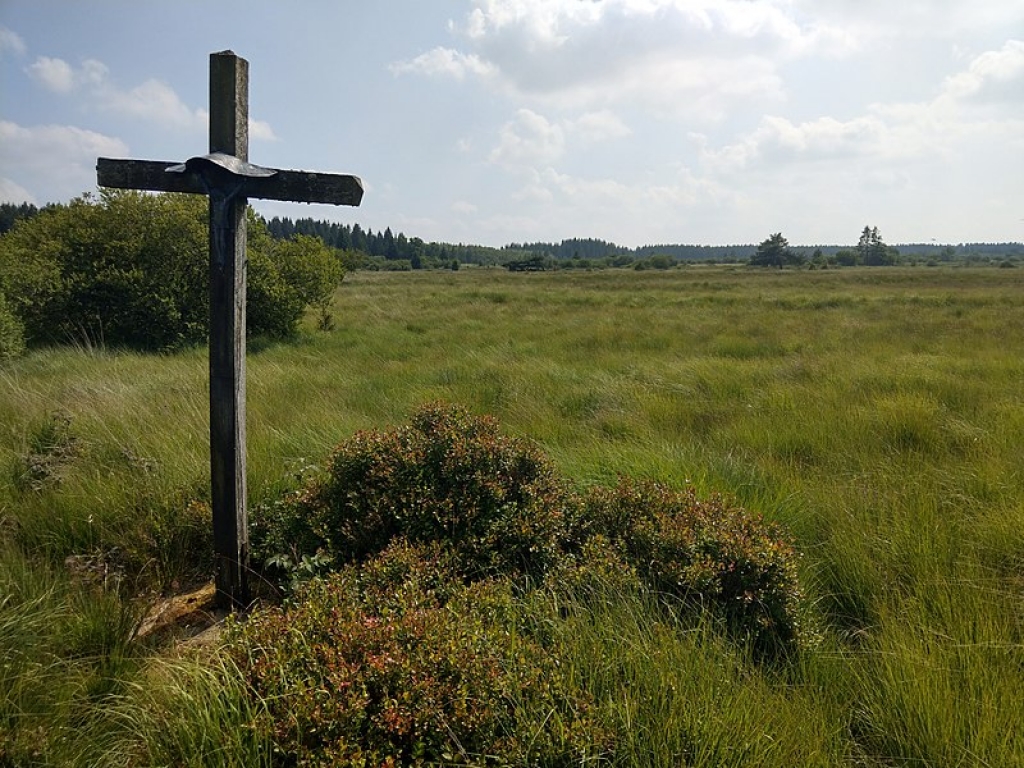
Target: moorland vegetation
708, 516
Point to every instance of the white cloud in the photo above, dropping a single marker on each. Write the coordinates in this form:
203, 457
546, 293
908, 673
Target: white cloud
444, 62
10, 42
994, 75
258, 129
53, 74
777, 140
58, 158
93, 72
43, 141
631, 213
60, 77
532, 142
464, 207
529, 140
152, 101
705, 54
600, 126
893, 133
874, 21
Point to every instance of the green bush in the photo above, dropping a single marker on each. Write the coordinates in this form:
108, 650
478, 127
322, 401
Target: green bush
421, 649
448, 477
12, 331
710, 554
398, 663
497, 507
124, 269
286, 277
132, 269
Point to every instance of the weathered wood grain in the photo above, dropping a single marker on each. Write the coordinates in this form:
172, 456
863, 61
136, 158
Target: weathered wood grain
229, 133
286, 185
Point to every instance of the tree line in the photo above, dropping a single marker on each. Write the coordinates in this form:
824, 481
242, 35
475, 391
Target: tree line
385, 250
365, 249
382, 250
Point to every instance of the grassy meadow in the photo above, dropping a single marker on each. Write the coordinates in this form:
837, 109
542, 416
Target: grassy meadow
877, 414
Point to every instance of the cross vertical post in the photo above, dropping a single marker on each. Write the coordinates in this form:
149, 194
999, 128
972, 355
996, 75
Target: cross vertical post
229, 180
229, 134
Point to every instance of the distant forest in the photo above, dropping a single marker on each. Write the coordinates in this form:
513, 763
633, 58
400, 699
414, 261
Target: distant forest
413, 251
386, 250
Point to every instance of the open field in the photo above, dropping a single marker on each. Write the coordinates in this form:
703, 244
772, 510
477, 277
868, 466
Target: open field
878, 414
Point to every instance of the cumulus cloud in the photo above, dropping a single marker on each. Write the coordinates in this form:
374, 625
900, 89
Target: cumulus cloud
258, 129
892, 132
53, 157
600, 126
60, 77
992, 76
881, 20
464, 207
12, 192
657, 52
532, 141
152, 101
630, 212
45, 141
528, 140
444, 62
53, 74
778, 140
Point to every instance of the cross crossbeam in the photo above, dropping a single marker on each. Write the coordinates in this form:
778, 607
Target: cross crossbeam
227, 179
290, 186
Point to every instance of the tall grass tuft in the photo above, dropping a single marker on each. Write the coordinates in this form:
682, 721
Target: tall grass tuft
677, 692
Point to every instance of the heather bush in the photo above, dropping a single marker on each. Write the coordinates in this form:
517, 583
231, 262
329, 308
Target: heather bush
448, 477
496, 506
710, 554
398, 663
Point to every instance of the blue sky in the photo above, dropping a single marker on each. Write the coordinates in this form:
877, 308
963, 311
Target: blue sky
493, 121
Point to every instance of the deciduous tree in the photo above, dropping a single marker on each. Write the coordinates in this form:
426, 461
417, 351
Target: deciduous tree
131, 269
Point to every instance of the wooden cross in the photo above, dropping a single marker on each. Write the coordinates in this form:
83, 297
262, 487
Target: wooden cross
228, 179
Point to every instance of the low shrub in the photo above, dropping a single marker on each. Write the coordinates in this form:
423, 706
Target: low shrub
397, 663
710, 554
497, 508
423, 645
448, 477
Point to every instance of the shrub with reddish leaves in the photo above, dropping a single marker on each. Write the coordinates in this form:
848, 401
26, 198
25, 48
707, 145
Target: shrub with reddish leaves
421, 650
710, 554
448, 477
496, 508
396, 663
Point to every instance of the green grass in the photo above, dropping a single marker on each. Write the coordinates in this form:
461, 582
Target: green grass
876, 413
